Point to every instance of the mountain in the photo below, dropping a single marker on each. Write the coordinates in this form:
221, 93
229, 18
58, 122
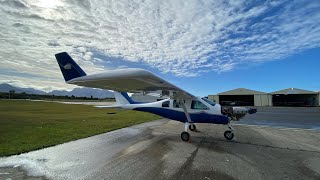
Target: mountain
78, 92
8, 87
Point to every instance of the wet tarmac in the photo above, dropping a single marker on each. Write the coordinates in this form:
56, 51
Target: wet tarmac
154, 150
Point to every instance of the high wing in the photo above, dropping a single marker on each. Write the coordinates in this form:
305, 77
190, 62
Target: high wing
122, 80
130, 80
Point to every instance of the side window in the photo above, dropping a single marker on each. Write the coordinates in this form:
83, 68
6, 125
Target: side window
198, 105
166, 104
175, 104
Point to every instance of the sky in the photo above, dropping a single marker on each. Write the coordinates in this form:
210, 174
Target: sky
204, 47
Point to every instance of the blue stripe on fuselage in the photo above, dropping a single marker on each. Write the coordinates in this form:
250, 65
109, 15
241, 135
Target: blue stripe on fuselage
180, 116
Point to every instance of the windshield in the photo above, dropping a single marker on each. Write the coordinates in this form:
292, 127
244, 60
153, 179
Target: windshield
209, 101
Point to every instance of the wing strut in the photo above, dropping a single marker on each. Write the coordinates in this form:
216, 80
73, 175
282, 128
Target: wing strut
186, 124
185, 136
185, 111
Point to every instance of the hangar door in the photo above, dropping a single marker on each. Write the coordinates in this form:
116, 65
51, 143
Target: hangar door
236, 100
301, 100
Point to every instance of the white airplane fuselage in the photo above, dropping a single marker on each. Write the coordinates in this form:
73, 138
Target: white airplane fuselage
171, 109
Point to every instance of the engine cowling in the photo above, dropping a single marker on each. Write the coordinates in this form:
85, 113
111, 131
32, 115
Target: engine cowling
237, 113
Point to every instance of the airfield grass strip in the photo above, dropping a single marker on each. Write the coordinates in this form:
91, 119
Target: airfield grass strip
28, 125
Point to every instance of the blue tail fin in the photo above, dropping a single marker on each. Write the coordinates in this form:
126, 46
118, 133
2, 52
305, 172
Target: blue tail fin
68, 66
123, 98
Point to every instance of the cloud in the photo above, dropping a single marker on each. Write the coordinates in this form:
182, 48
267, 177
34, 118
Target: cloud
183, 37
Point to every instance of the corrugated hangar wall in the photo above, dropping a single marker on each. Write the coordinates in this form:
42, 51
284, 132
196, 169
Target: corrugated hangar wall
214, 98
262, 100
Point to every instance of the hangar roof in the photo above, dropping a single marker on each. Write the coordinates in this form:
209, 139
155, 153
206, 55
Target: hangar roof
241, 91
293, 91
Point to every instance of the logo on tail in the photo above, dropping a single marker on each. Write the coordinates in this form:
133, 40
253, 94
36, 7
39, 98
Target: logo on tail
67, 66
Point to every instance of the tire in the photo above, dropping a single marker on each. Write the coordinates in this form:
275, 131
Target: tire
192, 127
185, 136
228, 135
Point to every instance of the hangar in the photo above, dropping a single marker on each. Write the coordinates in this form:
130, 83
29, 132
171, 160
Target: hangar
285, 97
295, 97
242, 97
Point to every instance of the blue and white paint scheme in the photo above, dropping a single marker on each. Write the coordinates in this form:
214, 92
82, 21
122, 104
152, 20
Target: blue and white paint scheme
179, 106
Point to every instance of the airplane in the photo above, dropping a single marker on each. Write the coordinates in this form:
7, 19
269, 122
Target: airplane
179, 106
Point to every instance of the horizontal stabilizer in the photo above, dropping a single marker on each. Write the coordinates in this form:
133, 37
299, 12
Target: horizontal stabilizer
113, 106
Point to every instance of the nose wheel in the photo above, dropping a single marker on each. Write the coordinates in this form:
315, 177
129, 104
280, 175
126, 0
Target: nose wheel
229, 133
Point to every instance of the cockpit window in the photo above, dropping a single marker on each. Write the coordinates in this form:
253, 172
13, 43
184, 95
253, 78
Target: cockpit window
209, 101
175, 104
198, 105
166, 104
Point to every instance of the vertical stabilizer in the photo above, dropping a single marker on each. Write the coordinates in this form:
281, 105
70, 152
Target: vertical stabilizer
69, 68
123, 98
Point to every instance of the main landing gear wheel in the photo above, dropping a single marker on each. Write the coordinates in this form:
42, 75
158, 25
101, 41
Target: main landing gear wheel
192, 127
185, 136
228, 135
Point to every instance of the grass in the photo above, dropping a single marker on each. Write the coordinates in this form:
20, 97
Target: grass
27, 125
